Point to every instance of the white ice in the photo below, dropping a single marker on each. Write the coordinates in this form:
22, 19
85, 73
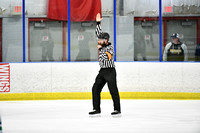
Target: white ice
71, 116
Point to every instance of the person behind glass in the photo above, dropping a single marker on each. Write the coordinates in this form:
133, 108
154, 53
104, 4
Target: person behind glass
47, 45
197, 52
139, 44
107, 73
83, 43
175, 50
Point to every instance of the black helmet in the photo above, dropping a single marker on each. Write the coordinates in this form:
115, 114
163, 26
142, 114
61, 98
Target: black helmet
175, 35
104, 35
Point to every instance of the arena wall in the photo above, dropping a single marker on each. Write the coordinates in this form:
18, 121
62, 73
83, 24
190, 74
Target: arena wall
74, 80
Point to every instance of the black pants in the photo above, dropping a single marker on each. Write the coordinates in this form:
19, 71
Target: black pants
106, 75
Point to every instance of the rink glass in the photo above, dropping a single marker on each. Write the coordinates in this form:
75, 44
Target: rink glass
182, 16
11, 39
133, 26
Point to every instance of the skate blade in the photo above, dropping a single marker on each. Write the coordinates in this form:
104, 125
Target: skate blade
95, 115
117, 116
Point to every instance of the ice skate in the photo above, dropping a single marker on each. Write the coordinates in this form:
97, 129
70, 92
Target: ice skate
116, 113
95, 113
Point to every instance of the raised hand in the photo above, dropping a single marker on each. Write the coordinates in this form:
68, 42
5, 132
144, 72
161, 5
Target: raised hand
98, 17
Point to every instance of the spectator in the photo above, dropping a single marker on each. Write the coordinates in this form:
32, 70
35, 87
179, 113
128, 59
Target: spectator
175, 50
197, 53
139, 44
47, 45
83, 42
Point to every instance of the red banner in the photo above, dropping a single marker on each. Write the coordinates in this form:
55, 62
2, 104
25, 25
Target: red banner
5, 77
80, 10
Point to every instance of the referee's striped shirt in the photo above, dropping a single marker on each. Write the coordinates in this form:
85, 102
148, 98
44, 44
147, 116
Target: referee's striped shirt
104, 61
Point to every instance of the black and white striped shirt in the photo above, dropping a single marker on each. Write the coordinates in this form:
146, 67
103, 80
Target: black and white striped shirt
104, 61
98, 29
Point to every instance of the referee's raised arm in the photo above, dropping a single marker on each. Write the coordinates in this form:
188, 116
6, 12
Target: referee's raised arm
98, 27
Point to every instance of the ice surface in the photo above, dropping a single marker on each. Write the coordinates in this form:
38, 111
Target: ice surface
71, 116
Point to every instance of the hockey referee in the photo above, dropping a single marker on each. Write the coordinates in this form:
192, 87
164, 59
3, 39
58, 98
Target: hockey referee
107, 73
